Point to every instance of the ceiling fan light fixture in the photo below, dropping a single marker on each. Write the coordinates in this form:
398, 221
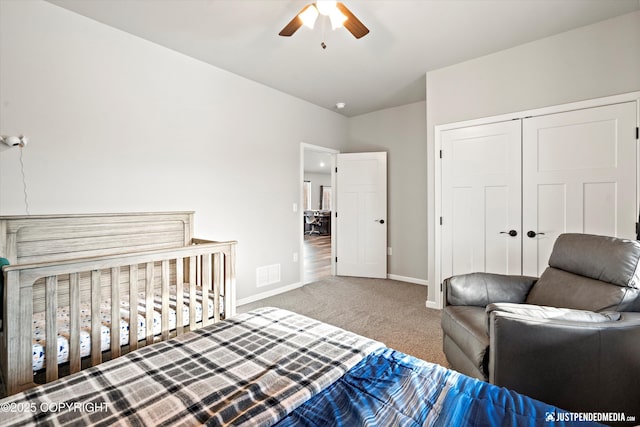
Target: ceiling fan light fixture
337, 18
309, 16
326, 7
337, 12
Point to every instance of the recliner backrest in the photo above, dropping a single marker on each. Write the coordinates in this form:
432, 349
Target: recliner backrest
590, 272
603, 258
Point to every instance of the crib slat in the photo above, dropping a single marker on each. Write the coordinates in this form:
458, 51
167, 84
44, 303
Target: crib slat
206, 284
179, 296
164, 283
230, 282
133, 307
24, 334
51, 328
149, 303
216, 286
74, 323
96, 323
115, 312
192, 293
199, 271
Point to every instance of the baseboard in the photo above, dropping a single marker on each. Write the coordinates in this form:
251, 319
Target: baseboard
408, 279
267, 294
432, 304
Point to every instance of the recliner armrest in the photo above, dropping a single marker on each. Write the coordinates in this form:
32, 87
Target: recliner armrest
481, 289
554, 313
580, 366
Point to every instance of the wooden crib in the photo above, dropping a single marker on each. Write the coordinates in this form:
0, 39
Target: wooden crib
82, 262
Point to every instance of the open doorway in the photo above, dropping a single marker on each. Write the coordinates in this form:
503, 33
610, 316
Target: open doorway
317, 207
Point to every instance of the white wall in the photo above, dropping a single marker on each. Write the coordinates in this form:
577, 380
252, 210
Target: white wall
401, 132
589, 62
117, 123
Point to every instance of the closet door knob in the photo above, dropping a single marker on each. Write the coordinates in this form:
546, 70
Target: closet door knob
512, 233
533, 234
381, 221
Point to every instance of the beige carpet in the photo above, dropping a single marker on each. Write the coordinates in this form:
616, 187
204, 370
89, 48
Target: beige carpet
386, 310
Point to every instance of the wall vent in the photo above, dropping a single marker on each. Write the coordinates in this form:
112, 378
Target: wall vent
267, 275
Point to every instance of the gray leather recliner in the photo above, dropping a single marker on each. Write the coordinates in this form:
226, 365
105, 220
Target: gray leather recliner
570, 338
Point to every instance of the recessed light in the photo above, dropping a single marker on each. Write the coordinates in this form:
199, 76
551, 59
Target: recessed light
340, 105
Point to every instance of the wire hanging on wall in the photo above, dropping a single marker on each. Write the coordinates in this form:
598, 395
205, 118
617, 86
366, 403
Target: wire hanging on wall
24, 182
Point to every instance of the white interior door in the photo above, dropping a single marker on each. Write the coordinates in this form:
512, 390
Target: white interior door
481, 199
361, 204
579, 175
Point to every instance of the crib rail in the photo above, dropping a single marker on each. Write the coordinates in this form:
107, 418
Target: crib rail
46, 286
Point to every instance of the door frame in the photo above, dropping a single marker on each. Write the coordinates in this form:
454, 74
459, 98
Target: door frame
435, 288
303, 147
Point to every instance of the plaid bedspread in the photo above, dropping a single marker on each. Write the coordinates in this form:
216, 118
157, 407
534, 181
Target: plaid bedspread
252, 369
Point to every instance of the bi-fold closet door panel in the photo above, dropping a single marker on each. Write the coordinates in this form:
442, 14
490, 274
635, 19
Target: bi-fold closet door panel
510, 188
579, 176
481, 199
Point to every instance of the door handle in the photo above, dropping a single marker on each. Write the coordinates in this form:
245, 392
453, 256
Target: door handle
512, 233
381, 221
533, 234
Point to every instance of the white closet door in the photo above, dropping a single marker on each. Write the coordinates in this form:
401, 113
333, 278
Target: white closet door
579, 175
481, 199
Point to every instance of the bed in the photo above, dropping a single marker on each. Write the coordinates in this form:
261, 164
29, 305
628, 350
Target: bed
273, 367
102, 285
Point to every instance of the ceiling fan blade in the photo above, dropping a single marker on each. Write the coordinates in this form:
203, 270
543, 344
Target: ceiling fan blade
352, 23
294, 24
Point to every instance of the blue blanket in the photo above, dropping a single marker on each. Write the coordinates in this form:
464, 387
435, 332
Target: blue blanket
389, 388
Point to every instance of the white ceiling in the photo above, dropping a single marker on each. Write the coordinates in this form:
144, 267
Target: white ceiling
386, 68
317, 161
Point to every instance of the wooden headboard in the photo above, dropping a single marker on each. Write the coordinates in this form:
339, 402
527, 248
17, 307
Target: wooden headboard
44, 238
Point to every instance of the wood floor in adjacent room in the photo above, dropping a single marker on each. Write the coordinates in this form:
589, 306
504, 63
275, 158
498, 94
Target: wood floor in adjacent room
316, 257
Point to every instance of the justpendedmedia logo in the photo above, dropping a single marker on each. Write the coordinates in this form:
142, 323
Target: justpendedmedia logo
598, 417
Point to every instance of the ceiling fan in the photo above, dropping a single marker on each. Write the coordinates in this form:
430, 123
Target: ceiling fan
337, 12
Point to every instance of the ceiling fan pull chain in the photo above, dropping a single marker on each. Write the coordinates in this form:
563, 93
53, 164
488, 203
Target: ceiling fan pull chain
324, 26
